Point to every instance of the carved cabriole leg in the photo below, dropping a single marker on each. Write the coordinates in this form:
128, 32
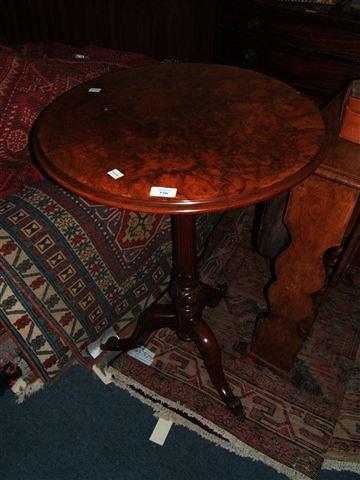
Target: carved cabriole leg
317, 215
153, 318
189, 297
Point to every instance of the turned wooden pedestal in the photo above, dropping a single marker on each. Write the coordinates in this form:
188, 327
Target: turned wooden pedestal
209, 137
322, 212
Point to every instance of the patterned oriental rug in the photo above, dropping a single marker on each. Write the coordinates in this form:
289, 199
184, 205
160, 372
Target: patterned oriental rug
296, 430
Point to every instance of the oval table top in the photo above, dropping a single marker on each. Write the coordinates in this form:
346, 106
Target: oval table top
222, 136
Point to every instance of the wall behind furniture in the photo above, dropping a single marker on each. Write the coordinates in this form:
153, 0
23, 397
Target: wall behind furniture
164, 29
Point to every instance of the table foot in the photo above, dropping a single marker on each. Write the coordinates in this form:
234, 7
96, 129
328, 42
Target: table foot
209, 349
235, 406
153, 318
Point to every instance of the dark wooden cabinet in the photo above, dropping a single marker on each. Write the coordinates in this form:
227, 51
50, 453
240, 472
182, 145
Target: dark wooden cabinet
315, 49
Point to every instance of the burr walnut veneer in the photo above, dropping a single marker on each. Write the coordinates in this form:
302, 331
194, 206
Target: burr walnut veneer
222, 136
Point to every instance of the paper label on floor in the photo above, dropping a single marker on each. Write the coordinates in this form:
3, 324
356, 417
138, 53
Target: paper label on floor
161, 431
144, 355
104, 376
19, 386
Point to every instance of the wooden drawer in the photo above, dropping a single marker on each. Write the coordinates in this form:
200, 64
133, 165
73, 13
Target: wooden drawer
305, 31
300, 68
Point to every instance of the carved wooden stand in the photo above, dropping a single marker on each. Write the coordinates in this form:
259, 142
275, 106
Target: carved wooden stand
317, 215
321, 211
184, 315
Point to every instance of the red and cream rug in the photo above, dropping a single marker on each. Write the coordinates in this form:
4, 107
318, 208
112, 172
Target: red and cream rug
293, 429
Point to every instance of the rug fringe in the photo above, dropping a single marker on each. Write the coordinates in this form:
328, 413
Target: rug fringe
340, 466
22, 390
220, 438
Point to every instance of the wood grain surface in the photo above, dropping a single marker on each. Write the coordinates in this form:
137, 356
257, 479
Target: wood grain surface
224, 137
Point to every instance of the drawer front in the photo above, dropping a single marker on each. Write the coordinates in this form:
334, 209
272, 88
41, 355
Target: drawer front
292, 65
303, 31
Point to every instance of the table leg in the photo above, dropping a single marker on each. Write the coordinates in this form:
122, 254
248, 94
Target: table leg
151, 319
317, 215
189, 296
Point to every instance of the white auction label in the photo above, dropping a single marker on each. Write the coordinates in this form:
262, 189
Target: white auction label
94, 90
143, 354
115, 173
163, 192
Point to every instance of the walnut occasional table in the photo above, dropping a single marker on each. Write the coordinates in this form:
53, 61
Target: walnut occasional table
223, 137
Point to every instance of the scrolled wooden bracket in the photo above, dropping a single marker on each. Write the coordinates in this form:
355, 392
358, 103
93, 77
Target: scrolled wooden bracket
317, 215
